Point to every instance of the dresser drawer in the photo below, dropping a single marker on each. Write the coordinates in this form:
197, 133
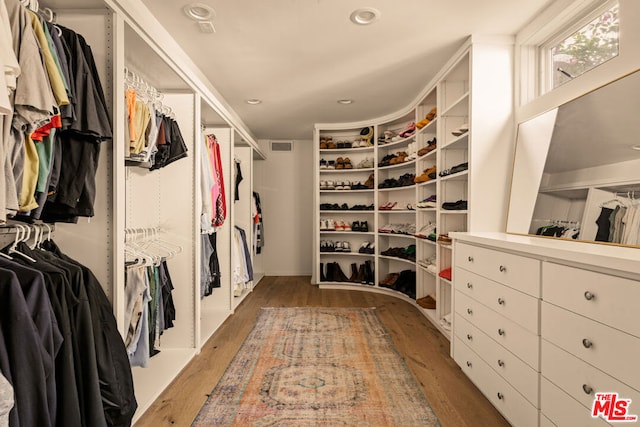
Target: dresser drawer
611, 300
522, 343
608, 349
515, 408
512, 304
515, 271
579, 379
563, 410
521, 376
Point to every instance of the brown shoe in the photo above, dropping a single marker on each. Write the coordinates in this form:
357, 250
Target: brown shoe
369, 182
427, 302
390, 280
347, 163
339, 163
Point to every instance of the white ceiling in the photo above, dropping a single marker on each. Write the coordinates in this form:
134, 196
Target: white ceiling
301, 56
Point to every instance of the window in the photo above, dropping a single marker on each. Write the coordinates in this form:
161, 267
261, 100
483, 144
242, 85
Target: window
574, 53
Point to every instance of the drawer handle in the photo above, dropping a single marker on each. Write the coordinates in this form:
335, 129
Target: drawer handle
586, 343
589, 296
470, 258
469, 311
469, 286
587, 389
500, 301
500, 396
503, 268
500, 363
469, 337
501, 332
469, 364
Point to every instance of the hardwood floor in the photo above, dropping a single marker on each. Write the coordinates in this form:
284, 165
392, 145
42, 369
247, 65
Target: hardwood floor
454, 399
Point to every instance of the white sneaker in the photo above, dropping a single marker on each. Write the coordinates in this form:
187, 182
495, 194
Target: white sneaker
346, 185
323, 225
331, 225
339, 185
330, 185
345, 226
346, 247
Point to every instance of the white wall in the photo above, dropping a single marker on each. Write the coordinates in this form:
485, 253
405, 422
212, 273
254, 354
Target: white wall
285, 184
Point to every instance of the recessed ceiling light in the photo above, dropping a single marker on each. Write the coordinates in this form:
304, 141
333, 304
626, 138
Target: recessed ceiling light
199, 11
636, 147
253, 101
365, 16
345, 101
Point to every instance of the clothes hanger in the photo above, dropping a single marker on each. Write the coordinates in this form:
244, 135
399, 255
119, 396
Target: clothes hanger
19, 238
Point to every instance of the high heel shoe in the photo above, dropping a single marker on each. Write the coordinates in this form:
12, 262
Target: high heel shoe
366, 135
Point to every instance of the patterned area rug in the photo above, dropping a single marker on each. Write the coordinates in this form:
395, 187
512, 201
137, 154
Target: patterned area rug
320, 367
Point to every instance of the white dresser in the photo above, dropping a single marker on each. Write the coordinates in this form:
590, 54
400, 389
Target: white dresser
542, 325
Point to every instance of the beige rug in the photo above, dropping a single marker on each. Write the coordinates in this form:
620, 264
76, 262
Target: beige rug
317, 367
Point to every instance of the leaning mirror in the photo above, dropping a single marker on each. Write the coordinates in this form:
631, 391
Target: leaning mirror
577, 168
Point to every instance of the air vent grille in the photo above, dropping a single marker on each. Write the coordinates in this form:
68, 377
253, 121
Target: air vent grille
281, 145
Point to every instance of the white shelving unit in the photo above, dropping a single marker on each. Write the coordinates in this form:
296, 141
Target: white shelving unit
474, 89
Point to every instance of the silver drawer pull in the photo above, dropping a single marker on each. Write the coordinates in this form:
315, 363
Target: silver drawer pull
500, 363
469, 363
589, 296
470, 258
469, 311
501, 332
469, 337
500, 396
587, 389
503, 268
586, 343
500, 301
469, 286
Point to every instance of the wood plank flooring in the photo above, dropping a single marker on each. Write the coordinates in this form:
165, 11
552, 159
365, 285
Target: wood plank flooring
454, 399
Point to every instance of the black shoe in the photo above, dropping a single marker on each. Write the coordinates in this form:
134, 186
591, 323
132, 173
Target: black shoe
460, 205
364, 227
323, 278
355, 226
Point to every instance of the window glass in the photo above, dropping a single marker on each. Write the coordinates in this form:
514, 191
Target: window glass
593, 44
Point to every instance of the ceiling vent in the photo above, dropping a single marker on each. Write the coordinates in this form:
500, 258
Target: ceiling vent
281, 145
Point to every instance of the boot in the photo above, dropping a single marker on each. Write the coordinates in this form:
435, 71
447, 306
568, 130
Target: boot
339, 276
361, 274
330, 275
369, 274
322, 276
354, 273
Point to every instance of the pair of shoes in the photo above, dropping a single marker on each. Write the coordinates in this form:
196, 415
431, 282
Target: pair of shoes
431, 115
445, 274
331, 246
427, 175
400, 157
334, 273
367, 248
386, 160
431, 145
426, 230
327, 185
344, 144
361, 226
429, 202
461, 130
341, 226
388, 137
428, 302
387, 206
366, 137
343, 185
390, 280
327, 225
460, 205
409, 229
362, 208
408, 131
444, 239
323, 142
456, 169
411, 151
367, 163
343, 247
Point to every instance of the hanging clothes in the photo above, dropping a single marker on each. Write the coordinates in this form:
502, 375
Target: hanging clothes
258, 226
210, 275
238, 178
242, 268
69, 367
6, 401
218, 197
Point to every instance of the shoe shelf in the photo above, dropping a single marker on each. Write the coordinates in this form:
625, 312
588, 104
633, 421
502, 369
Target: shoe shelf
347, 191
457, 143
428, 155
350, 254
396, 143
398, 165
395, 211
424, 184
460, 176
351, 233
427, 241
459, 107
426, 209
453, 212
346, 150
446, 281
406, 187
394, 258
429, 127
423, 268
403, 236
354, 170
343, 211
